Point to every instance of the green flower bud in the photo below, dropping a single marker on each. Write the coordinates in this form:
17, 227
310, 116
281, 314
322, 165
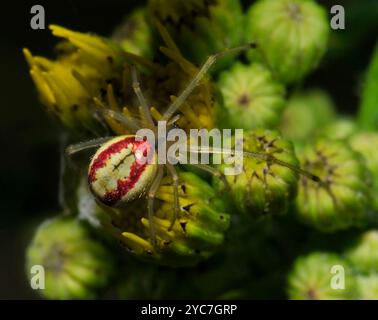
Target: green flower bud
315, 277
292, 36
196, 234
76, 266
340, 129
264, 187
250, 98
364, 253
135, 35
68, 85
367, 287
365, 143
305, 114
340, 201
202, 27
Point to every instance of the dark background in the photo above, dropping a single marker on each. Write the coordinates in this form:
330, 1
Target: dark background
29, 140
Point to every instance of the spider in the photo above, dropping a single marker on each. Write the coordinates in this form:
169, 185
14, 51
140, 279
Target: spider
116, 176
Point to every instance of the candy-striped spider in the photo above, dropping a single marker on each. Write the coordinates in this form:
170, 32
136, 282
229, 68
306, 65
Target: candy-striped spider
116, 173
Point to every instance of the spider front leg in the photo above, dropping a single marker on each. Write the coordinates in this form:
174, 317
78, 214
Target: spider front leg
211, 60
142, 100
176, 200
81, 146
214, 172
256, 155
150, 203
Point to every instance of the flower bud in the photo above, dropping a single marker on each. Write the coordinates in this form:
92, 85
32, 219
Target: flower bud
134, 35
305, 114
250, 98
264, 186
196, 234
292, 36
365, 143
202, 27
321, 276
76, 266
340, 200
364, 253
367, 287
340, 129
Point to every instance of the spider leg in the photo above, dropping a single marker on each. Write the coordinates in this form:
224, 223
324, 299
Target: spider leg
215, 172
128, 122
211, 60
176, 209
142, 101
256, 155
75, 148
62, 171
151, 199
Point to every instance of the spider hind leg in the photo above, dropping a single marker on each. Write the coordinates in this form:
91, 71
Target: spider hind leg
150, 203
176, 199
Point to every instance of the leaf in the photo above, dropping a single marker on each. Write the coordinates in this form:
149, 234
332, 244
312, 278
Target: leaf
368, 113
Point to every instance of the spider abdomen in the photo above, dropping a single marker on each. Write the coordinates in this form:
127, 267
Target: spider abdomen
118, 174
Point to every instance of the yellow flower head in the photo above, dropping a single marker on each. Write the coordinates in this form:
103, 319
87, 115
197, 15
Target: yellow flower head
68, 85
93, 73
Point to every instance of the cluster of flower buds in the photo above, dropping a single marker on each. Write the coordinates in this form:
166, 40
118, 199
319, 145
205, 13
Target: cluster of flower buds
195, 234
348, 274
99, 86
76, 266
